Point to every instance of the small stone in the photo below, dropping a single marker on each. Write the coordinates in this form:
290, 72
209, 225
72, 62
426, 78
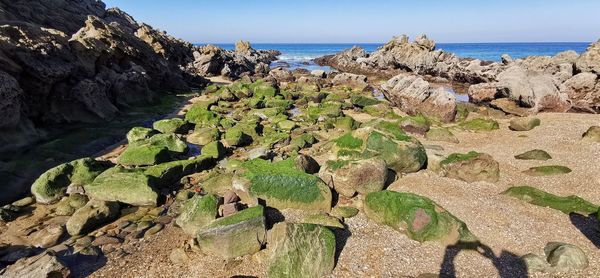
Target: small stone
228, 209
307, 164
441, 134
154, 229
259, 152
92, 215
104, 240
24, 202
592, 134
471, 167
143, 225
344, 211
178, 256
48, 236
230, 197
547, 170
164, 219
524, 124
534, 155
565, 257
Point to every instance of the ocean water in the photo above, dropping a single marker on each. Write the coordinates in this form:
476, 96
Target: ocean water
301, 55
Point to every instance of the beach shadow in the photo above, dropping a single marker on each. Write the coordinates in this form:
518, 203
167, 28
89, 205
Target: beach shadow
341, 237
588, 226
82, 265
507, 264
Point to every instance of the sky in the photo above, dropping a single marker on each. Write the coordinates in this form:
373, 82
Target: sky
376, 21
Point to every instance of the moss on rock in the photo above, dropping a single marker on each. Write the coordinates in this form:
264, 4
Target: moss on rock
139, 133
534, 155
131, 187
174, 125
197, 212
569, 204
548, 170
480, 124
419, 217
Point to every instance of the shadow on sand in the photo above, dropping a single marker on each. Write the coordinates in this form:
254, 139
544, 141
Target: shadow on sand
507, 264
588, 226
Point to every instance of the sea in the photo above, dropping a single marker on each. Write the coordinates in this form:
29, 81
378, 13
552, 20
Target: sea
301, 55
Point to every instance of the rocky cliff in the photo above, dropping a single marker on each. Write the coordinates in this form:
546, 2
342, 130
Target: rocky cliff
560, 83
65, 61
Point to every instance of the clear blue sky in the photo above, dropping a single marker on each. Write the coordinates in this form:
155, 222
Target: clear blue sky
370, 20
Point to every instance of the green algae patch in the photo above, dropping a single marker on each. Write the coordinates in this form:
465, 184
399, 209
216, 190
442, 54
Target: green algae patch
139, 133
127, 186
548, 170
143, 155
363, 101
174, 125
201, 116
421, 218
262, 89
240, 234
323, 219
480, 124
197, 212
347, 141
569, 204
534, 155
300, 250
458, 157
393, 129
283, 186
441, 134
168, 173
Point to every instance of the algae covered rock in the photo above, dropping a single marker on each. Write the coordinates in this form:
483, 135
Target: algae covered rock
131, 187
67, 206
480, 124
344, 211
558, 258
592, 134
214, 149
385, 140
139, 133
471, 167
322, 219
524, 124
92, 215
538, 197
52, 184
534, 155
204, 136
419, 217
168, 173
200, 115
242, 233
197, 212
362, 176
283, 186
548, 170
300, 250
236, 137
174, 125
415, 124
143, 155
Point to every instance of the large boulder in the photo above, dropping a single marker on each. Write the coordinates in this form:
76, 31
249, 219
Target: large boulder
92, 215
414, 95
282, 185
300, 250
419, 217
52, 185
362, 176
385, 140
471, 167
584, 91
589, 61
242, 233
45, 264
127, 186
196, 213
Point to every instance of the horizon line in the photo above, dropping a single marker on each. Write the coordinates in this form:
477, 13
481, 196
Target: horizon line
488, 42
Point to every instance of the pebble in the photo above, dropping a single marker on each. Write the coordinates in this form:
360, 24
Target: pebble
155, 229
24, 202
165, 219
104, 240
178, 256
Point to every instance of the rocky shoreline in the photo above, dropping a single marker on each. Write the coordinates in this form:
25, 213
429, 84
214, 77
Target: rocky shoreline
375, 170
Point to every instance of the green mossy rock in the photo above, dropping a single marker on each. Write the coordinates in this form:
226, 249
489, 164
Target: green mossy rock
402, 153
534, 155
240, 234
67, 206
442, 135
344, 211
323, 219
471, 167
524, 124
52, 184
547, 170
139, 133
174, 125
235, 137
131, 187
419, 217
196, 213
92, 215
262, 89
538, 197
166, 174
201, 116
415, 124
303, 141
480, 124
203, 136
214, 149
286, 125
363, 101
143, 155
592, 134
283, 186
169, 141
218, 184
300, 251
346, 123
